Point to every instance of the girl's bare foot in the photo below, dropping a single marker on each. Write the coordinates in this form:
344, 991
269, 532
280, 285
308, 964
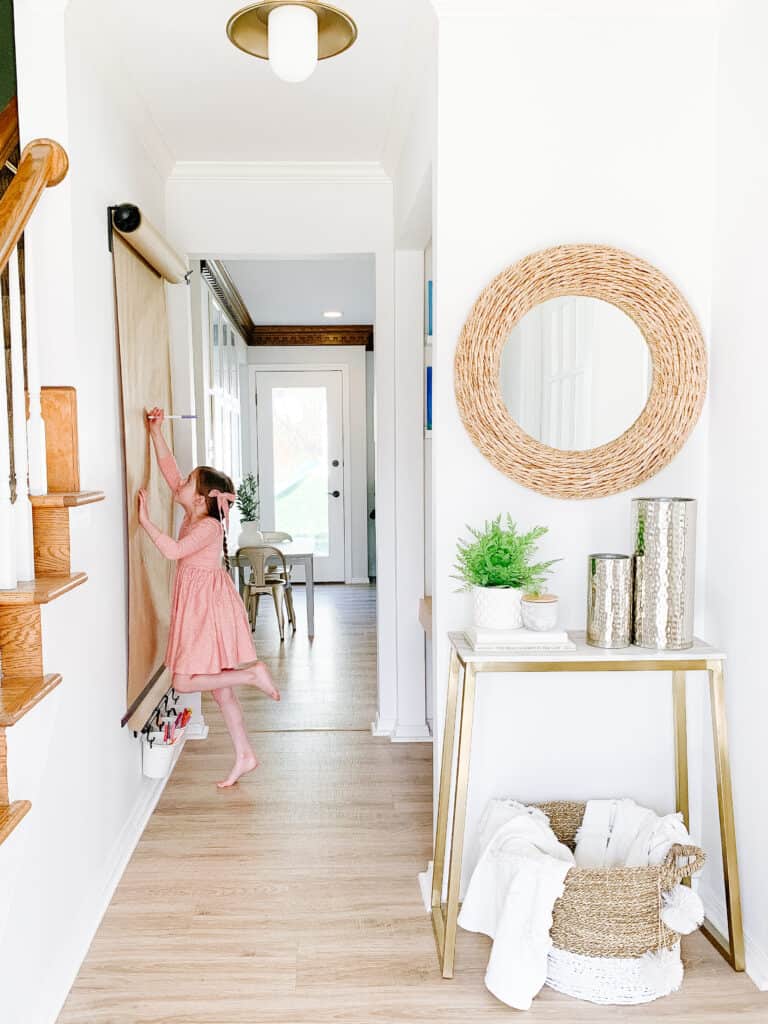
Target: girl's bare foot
243, 764
263, 681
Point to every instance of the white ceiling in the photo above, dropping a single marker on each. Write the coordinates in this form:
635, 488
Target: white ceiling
288, 292
211, 102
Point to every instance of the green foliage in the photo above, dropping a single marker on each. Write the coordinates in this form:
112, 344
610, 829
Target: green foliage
499, 556
248, 499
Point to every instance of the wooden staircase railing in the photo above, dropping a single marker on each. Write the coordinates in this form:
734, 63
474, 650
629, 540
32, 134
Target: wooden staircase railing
34, 527
9, 131
43, 164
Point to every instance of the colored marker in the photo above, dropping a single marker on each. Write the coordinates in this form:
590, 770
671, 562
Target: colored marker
185, 416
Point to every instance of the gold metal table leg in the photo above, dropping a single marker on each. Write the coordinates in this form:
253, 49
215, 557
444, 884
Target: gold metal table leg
732, 948
459, 818
443, 803
681, 746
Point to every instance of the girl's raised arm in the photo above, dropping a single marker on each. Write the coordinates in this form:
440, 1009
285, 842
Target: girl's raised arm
165, 459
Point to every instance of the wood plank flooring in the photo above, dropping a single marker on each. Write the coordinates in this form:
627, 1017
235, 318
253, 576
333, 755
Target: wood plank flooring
292, 899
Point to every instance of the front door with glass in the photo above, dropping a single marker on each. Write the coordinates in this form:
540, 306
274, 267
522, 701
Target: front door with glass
300, 439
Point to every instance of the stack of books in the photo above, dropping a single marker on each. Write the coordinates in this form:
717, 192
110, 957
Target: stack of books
525, 641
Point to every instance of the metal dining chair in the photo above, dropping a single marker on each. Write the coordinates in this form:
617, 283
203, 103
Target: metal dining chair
262, 581
277, 537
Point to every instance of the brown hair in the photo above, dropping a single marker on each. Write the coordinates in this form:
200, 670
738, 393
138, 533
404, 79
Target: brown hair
208, 479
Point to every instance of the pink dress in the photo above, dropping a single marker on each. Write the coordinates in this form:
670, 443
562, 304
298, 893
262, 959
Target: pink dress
209, 629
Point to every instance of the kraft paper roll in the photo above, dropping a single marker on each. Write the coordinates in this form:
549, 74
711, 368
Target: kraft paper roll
143, 236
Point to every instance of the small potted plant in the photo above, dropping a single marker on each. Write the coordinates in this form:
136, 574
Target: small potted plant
248, 507
498, 567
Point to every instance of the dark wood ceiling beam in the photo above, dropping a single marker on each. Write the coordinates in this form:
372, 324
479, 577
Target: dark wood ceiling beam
322, 334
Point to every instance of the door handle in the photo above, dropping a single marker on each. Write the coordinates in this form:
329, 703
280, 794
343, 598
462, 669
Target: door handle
335, 494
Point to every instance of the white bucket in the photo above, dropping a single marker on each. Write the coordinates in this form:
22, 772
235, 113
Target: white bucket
157, 758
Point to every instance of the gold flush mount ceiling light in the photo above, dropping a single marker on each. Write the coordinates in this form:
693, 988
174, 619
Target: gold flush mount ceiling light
292, 34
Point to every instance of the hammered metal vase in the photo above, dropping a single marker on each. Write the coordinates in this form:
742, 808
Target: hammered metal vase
609, 600
664, 532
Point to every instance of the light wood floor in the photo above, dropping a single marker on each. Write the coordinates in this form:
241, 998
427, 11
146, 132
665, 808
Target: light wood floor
292, 899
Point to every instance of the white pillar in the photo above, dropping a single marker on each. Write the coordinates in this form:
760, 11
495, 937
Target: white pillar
386, 538
411, 712
22, 509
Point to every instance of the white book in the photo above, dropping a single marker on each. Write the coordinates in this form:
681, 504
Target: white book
556, 639
525, 651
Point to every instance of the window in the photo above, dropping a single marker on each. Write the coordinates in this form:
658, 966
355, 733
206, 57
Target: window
224, 438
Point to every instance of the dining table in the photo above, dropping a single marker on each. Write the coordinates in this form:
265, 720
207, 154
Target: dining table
296, 552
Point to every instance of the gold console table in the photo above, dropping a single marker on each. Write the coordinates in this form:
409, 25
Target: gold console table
466, 664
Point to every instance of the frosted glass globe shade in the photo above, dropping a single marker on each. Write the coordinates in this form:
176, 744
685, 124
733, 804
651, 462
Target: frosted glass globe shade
292, 42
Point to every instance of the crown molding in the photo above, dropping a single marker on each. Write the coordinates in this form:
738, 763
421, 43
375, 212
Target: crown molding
565, 8
216, 276
303, 171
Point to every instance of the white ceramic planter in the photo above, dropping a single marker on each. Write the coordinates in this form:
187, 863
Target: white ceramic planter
496, 607
250, 535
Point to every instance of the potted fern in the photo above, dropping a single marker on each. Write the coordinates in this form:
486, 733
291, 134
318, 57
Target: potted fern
248, 507
497, 567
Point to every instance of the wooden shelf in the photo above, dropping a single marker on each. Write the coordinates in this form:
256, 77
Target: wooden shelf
42, 590
19, 694
50, 525
11, 815
65, 499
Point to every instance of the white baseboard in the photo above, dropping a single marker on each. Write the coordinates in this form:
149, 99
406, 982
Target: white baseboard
93, 909
359, 580
756, 957
425, 886
411, 734
382, 726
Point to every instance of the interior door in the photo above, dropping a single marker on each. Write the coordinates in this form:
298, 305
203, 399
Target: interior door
301, 461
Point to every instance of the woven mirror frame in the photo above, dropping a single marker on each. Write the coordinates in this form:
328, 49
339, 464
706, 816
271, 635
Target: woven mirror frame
678, 355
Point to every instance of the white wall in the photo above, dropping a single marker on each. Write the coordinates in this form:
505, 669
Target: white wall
69, 755
737, 494
353, 361
555, 126
247, 212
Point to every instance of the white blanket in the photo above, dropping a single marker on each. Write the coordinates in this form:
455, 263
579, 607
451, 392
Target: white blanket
510, 897
621, 833
521, 874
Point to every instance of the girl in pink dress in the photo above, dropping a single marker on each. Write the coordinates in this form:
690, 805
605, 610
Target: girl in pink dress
209, 638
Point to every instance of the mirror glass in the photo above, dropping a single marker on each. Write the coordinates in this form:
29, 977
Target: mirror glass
575, 372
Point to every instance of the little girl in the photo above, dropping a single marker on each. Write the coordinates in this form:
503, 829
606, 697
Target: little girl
209, 635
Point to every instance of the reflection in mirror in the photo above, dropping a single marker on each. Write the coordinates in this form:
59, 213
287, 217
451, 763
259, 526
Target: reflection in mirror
575, 372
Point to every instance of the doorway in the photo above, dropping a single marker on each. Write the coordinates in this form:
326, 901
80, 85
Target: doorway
299, 421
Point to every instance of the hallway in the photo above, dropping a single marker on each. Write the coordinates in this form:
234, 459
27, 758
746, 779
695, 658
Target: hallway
293, 898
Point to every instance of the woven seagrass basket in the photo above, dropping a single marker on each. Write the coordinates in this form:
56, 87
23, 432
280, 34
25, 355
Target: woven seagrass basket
614, 912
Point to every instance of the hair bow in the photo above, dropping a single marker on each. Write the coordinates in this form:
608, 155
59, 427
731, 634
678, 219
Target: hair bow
224, 499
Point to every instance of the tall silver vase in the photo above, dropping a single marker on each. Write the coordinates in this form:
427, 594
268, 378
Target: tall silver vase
609, 600
664, 530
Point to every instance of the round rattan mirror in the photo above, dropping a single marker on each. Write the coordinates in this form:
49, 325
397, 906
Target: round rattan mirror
677, 371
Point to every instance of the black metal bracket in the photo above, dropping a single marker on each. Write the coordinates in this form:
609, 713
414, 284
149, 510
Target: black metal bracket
128, 216
110, 226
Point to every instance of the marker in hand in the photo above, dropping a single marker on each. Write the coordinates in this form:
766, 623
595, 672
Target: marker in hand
184, 416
